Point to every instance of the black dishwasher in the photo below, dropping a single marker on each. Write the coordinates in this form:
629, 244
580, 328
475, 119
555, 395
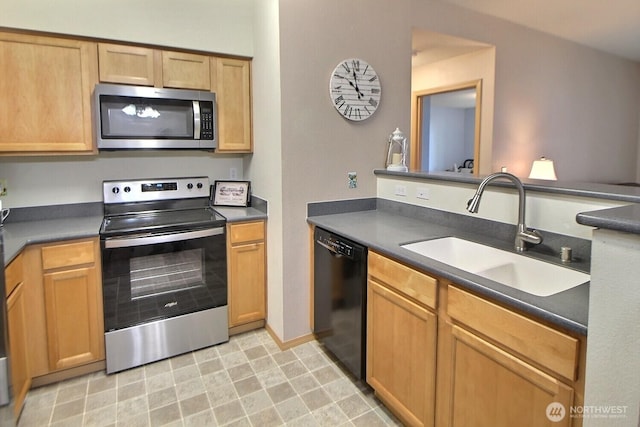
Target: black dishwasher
340, 280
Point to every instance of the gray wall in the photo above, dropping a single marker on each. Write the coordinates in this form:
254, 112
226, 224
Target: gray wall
540, 109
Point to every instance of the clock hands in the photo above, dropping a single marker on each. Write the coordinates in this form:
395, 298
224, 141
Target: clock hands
355, 86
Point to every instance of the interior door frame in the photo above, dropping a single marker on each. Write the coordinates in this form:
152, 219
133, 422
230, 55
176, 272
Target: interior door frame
416, 121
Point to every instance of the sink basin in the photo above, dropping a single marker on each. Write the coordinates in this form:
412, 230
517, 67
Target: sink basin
507, 268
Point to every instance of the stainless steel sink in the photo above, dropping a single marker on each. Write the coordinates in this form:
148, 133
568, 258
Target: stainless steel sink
510, 269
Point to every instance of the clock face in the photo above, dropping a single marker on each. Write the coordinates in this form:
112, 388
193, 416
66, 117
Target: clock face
354, 88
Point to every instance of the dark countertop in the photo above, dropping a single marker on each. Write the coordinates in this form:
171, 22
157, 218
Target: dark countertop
385, 231
17, 235
240, 214
624, 218
20, 233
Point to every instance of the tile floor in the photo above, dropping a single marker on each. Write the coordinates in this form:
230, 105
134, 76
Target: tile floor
248, 381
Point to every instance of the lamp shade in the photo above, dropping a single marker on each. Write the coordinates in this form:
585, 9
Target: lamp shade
543, 169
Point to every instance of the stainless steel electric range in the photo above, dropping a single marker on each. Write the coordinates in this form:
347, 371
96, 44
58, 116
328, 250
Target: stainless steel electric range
164, 270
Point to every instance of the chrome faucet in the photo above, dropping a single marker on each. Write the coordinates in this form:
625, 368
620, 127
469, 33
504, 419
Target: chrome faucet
523, 234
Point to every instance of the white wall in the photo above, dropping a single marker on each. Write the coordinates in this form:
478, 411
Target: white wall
223, 26
544, 211
613, 365
265, 166
41, 181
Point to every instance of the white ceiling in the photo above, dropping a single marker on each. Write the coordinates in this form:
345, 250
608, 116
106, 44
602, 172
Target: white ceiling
612, 26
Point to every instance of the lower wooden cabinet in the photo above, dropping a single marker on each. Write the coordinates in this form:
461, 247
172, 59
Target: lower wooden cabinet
17, 329
73, 303
73, 312
401, 341
64, 295
247, 278
499, 368
438, 355
492, 387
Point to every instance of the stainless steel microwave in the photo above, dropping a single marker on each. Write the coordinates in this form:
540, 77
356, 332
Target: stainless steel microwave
139, 117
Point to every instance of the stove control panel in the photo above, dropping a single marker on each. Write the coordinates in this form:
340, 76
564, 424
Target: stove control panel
143, 190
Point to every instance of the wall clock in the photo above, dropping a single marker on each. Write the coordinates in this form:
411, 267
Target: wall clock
355, 89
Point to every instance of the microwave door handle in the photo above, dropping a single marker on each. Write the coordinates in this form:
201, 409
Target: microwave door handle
196, 120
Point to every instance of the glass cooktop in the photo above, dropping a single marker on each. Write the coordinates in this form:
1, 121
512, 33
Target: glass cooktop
160, 221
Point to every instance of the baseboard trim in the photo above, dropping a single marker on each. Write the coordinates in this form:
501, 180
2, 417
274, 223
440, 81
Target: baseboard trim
235, 330
291, 343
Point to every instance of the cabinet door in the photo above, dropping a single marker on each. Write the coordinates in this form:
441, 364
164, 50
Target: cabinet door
401, 349
246, 283
231, 81
126, 64
491, 387
19, 357
46, 85
185, 71
73, 314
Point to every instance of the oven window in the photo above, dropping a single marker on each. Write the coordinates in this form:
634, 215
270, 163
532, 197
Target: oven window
155, 275
145, 283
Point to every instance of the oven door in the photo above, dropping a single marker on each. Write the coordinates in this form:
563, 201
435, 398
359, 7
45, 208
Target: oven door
157, 276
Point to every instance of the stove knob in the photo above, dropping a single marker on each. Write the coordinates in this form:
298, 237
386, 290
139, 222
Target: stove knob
189, 186
115, 190
199, 185
127, 189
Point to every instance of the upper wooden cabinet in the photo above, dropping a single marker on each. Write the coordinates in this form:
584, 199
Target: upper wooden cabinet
45, 94
185, 70
231, 81
229, 78
152, 67
127, 64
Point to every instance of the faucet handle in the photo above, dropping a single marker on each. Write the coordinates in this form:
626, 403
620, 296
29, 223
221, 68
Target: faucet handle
531, 236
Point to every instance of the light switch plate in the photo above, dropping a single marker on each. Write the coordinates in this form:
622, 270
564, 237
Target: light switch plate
401, 190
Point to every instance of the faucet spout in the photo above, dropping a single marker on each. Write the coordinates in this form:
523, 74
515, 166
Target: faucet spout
523, 234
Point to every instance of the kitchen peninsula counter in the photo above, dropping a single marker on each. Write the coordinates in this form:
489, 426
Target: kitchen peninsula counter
383, 226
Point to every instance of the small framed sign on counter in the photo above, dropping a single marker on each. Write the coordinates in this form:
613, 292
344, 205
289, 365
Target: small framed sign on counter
231, 193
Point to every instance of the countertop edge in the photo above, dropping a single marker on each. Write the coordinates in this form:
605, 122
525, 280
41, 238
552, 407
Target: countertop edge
466, 280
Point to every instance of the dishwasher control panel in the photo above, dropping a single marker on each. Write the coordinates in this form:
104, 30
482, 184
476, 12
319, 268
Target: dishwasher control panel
338, 246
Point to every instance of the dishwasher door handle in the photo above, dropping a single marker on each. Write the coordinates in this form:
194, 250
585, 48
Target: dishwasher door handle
330, 249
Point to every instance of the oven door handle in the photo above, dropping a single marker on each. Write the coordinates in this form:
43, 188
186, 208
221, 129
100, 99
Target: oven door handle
126, 242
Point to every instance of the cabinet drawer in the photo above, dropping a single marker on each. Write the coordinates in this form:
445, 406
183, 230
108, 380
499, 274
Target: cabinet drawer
246, 232
67, 254
406, 280
539, 343
13, 274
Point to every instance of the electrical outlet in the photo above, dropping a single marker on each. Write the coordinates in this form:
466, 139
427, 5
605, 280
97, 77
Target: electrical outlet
3, 187
233, 173
422, 193
401, 190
